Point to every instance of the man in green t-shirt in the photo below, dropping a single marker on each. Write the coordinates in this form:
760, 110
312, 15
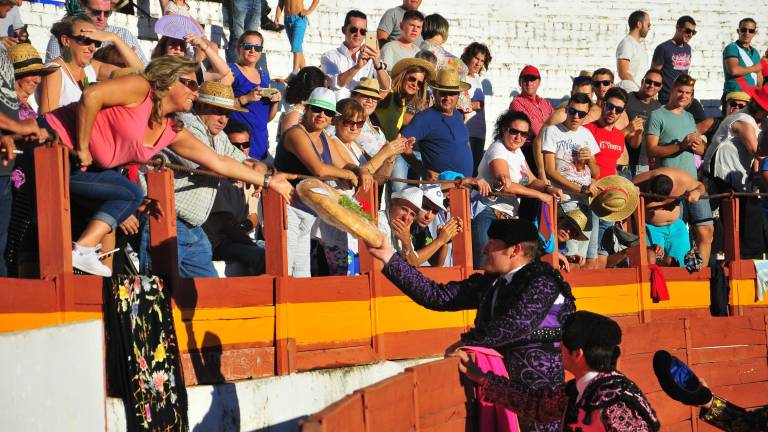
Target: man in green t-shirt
672, 139
741, 59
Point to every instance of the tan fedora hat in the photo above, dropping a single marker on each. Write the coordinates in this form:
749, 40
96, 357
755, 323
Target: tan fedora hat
448, 80
403, 65
27, 61
368, 87
617, 200
577, 219
219, 95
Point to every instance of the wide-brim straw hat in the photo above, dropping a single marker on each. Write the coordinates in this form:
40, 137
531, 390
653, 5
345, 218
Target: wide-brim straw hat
27, 61
578, 220
368, 87
448, 80
220, 96
403, 65
617, 200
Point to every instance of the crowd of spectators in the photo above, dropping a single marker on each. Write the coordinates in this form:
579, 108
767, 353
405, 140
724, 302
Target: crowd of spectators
395, 104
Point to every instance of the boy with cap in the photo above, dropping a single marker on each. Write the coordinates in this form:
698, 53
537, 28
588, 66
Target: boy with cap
432, 240
520, 304
598, 398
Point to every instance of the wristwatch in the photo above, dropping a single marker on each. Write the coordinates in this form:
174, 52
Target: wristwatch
266, 182
382, 66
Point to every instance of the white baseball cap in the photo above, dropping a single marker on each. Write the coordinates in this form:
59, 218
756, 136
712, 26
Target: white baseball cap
413, 195
435, 196
322, 97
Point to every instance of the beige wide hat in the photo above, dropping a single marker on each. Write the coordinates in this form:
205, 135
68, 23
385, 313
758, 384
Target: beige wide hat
617, 200
448, 80
27, 61
220, 96
578, 221
368, 87
403, 65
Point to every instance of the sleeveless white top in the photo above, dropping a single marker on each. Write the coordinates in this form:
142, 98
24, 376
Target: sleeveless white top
70, 90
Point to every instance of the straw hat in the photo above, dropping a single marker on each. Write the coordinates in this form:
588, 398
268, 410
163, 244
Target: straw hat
578, 220
400, 67
448, 80
368, 87
219, 95
617, 200
27, 61
738, 95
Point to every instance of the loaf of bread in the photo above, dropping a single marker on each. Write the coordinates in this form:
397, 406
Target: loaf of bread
324, 200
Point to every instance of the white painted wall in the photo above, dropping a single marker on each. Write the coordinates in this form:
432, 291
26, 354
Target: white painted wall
53, 379
270, 403
561, 37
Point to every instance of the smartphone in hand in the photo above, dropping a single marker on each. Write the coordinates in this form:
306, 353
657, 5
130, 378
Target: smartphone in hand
370, 39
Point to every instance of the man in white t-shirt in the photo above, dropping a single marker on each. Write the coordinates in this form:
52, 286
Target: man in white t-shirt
569, 161
631, 56
734, 146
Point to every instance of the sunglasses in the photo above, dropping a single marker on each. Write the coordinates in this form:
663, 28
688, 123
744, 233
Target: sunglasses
690, 31
85, 40
571, 111
97, 13
191, 84
529, 78
651, 82
317, 110
355, 30
685, 80
356, 124
244, 145
611, 107
604, 83
734, 104
747, 30
516, 132
413, 79
252, 47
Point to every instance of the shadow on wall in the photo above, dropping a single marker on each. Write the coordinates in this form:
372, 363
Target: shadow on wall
224, 413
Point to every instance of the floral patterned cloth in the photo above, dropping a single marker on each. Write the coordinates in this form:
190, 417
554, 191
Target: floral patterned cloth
143, 354
527, 303
610, 397
729, 417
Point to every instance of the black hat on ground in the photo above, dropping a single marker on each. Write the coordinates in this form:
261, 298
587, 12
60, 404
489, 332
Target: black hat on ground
678, 380
513, 231
584, 329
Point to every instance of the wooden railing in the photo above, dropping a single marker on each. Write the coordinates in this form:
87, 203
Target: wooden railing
235, 328
728, 353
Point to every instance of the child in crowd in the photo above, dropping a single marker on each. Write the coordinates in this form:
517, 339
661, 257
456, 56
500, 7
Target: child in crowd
295, 26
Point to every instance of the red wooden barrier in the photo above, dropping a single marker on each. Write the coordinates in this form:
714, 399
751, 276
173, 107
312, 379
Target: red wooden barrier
462, 243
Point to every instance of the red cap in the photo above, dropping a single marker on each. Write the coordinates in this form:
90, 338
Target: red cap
530, 70
760, 95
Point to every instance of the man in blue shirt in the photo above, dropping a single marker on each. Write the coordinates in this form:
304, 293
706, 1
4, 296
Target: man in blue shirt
440, 132
673, 57
741, 59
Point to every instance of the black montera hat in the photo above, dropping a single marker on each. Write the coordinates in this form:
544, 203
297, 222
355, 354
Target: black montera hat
584, 329
513, 231
678, 380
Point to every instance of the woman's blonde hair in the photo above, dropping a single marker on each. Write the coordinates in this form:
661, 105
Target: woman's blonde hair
161, 73
419, 100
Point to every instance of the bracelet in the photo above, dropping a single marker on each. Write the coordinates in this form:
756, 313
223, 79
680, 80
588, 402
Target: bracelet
382, 66
266, 182
585, 190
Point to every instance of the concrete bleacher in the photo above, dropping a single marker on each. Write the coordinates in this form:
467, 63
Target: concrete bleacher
560, 37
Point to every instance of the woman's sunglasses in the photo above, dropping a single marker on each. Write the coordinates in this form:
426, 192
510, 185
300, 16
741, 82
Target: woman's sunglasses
190, 84
252, 47
85, 40
356, 124
317, 110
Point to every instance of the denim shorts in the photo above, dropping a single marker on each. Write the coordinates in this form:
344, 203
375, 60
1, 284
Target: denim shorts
295, 26
698, 214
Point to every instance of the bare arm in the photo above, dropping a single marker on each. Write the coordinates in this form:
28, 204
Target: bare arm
219, 70
748, 135
500, 170
279, 10
622, 66
382, 36
297, 143
655, 150
289, 120
557, 117
736, 70
103, 70
50, 92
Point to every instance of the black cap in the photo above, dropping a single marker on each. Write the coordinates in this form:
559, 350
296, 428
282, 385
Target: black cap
513, 231
585, 329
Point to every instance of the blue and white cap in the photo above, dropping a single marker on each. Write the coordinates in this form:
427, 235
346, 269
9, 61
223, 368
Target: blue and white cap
435, 196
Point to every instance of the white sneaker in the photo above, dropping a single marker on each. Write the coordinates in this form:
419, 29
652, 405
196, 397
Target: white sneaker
89, 263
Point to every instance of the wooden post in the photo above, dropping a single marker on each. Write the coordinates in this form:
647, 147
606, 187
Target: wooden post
729, 213
275, 232
162, 229
640, 260
371, 266
462, 243
54, 222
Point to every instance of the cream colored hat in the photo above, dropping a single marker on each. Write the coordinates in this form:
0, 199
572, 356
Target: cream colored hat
617, 200
220, 96
403, 65
27, 61
578, 220
368, 87
448, 80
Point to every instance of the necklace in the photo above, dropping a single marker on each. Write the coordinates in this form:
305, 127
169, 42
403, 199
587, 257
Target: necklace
80, 82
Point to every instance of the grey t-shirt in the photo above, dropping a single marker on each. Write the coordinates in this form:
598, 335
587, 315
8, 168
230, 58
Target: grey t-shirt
390, 23
636, 108
393, 52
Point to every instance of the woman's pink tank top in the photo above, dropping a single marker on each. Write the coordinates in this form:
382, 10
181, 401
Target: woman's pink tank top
117, 137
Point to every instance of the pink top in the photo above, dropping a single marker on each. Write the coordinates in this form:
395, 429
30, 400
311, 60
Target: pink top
117, 136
